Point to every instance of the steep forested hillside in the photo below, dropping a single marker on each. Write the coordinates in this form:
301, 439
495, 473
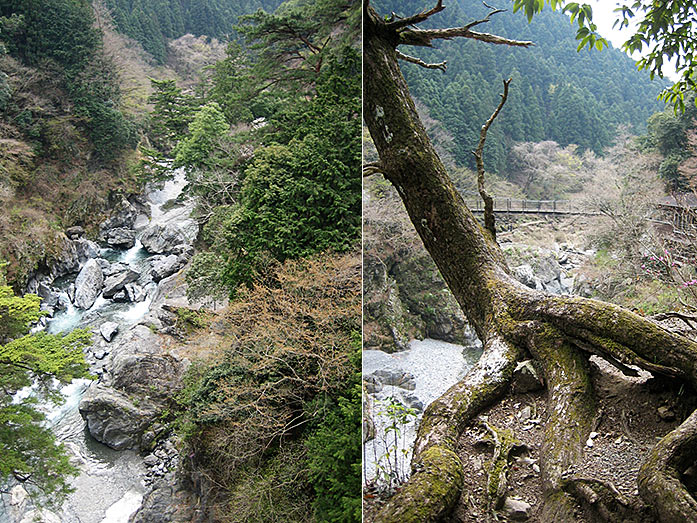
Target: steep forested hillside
152, 23
556, 94
63, 135
270, 144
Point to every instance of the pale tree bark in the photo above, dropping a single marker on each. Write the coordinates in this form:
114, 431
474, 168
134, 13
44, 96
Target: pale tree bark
508, 317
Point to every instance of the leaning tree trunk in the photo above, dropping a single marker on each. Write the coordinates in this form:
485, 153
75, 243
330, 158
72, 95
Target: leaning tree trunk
508, 317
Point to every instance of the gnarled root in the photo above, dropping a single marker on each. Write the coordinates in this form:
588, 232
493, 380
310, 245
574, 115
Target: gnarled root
437, 475
601, 499
571, 413
659, 476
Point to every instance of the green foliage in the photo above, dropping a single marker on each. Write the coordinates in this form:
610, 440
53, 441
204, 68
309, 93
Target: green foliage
189, 319
63, 32
57, 29
302, 194
668, 134
334, 455
238, 89
171, 115
28, 449
658, 27
205, 277
16, 313
392, 468
668, 170
206, 130
556, 94
665, 132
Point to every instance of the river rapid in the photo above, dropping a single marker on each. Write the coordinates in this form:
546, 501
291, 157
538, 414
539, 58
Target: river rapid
111, 484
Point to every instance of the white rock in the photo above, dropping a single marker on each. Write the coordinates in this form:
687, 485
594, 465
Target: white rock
108, 330
88, 284
516, 509
18, 496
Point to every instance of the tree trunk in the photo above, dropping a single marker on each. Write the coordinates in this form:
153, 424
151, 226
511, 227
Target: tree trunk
508, 317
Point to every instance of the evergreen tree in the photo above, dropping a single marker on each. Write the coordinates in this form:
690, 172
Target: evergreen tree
28, 450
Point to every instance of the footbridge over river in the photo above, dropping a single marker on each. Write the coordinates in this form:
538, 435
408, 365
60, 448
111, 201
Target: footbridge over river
518, 206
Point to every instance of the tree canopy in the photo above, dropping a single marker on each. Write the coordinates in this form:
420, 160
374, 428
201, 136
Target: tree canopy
557, 93
663, 30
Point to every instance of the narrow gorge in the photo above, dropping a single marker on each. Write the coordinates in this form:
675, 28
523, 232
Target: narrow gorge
126, 290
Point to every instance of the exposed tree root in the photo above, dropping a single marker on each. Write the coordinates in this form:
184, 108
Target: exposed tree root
497, 482
571, 412
601, 499
659, 478
508, 317
436, 478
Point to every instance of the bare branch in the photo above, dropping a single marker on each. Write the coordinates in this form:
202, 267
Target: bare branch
494, 11
411, 59
489, 220
421, 37
425, 37
417, 18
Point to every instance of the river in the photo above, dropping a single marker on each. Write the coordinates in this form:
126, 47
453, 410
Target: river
110, 485
413, 378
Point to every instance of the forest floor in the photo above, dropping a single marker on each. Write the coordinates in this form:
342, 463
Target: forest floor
634, 413
628, 426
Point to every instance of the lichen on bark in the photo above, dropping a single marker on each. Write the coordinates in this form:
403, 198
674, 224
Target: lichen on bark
509, 318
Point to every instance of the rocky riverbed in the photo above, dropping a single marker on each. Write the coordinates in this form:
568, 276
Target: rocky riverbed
125, 288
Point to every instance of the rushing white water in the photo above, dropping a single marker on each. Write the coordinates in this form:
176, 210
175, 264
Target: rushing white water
435, 366
109, 488
161, 208
134, 253
135, 312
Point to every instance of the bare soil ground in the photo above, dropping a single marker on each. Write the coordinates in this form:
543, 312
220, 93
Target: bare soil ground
628, 426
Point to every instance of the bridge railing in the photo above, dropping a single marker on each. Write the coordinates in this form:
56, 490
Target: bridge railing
518, 205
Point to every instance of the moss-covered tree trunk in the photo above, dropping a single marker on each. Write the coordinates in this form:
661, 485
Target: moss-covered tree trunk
508, 317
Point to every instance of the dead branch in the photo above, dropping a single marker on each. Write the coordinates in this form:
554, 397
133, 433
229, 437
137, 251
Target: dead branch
372, 168
424, 37
687, 318
411, 59
417, 18
489, 220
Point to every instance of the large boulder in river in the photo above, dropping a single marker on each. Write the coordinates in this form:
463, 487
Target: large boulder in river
123, 215
88, 284
165, 266
49, 297
68, 259
156, 376
115, 419
117, 282
160, 239
141, 380
108, 330
120, 238
86, 249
